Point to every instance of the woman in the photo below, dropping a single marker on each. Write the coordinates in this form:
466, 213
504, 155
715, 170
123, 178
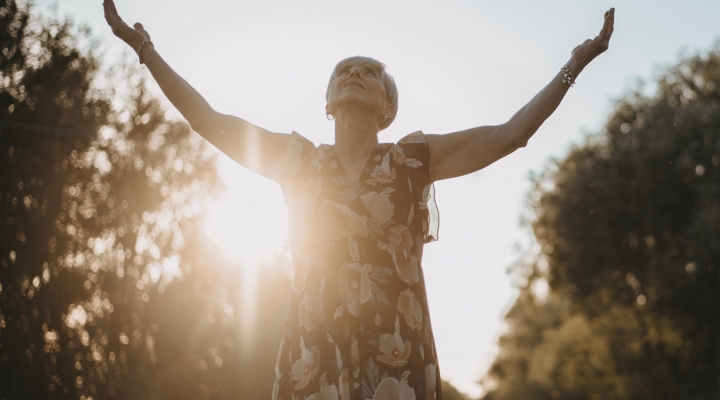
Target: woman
360, 211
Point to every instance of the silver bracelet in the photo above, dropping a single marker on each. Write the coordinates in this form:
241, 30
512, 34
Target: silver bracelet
144, 43
567, 75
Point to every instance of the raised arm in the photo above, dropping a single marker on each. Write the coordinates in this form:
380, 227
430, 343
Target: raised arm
253, 147
464, 152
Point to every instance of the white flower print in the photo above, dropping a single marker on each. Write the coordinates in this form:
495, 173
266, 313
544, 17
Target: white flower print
400, 244
411, 309
400, 237
355, 286
329, 392
338, 220
354, 280
395, 351
406, 266
311, 311
415, 137
393, 389
398, 154
382, 173
344, 377
431, 382
321, 153
413, 163
344, 384
302, 270
379, 207
355, 356
276, 387
307, 366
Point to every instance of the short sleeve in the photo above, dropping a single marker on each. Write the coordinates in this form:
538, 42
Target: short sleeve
417, 157
296, 160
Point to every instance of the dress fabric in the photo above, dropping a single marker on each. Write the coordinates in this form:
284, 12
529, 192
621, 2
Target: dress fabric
358, 325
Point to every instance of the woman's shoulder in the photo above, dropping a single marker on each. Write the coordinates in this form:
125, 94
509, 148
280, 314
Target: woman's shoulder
297, 153
414, 149
413, 138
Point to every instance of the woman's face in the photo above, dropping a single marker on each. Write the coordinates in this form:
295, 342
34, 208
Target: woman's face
356, 88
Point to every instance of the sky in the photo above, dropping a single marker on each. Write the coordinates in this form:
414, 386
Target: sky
457, 64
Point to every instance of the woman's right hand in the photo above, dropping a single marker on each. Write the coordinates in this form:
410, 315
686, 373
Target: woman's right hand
132, 36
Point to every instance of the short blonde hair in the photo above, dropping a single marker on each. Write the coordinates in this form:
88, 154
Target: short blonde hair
387, 80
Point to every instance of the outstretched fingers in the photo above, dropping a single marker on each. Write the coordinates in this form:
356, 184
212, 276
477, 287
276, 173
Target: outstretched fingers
591, 48
608, 26
118, 26
108, 13
115, 12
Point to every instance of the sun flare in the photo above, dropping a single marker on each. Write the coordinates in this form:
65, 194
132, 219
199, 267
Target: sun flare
249, 223
249, 219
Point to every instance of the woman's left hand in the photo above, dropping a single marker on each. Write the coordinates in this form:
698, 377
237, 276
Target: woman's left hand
591, 48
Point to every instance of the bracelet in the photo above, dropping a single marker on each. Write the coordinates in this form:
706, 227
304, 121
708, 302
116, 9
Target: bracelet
567, 75
144, 43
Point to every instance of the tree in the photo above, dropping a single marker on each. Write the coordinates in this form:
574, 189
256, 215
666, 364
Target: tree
95, 201
627, 224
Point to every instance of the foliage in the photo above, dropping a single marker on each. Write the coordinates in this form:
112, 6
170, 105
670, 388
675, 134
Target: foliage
627, 225
92, 224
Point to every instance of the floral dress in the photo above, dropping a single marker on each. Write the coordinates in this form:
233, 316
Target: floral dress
358, 325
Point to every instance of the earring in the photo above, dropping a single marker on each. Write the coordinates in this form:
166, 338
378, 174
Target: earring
330, 117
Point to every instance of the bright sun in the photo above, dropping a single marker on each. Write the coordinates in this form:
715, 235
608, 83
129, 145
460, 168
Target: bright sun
249, 220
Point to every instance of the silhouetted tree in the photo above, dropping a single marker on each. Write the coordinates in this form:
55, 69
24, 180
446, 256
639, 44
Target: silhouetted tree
94, 203
628, 227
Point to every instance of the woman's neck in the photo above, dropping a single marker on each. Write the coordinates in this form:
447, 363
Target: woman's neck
355, 138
